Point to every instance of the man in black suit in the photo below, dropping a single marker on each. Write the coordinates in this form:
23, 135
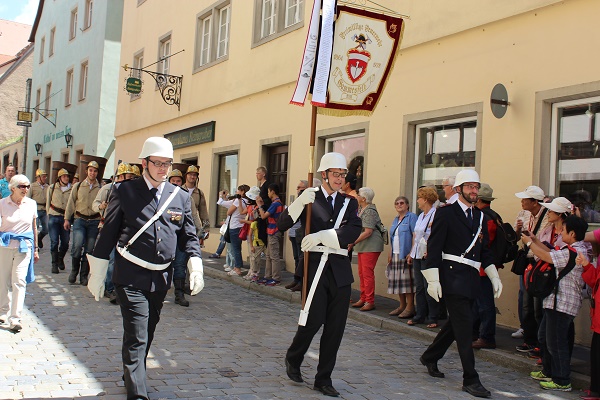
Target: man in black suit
145, 250
332, 295
457, 248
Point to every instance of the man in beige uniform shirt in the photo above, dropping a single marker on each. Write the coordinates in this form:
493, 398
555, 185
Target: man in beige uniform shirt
85, 227
57, 197
191, 185
38, 193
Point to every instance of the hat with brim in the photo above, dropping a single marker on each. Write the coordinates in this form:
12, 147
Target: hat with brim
253, 193
486, 192
559, 205
532, 192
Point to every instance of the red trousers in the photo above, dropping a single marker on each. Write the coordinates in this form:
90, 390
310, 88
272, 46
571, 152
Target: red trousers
366, 275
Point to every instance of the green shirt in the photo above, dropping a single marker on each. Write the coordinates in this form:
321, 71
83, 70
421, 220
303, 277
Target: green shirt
374, 243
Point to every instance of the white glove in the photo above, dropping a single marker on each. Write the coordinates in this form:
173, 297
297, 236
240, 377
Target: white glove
326, 238
432, 275
296, 208
492, 273
98, 268
196, 270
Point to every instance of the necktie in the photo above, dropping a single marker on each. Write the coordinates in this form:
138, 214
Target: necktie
154, 199
469, 217
330, 201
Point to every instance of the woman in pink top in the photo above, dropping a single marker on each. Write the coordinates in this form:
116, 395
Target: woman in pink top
18, 252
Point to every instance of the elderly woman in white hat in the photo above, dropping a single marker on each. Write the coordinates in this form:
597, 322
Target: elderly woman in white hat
18, 251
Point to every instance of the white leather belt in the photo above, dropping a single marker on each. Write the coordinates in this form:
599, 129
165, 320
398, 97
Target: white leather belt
462, 260
138, 261
329, 250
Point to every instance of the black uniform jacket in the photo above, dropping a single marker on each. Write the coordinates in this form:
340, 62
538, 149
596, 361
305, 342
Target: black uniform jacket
322, 219
451, 233
130, 206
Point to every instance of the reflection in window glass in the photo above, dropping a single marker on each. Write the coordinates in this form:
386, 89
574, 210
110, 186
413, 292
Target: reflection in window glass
228, 180
353, 147
446, 141
578, 175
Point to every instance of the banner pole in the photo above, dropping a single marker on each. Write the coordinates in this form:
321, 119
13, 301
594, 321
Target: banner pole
311, 163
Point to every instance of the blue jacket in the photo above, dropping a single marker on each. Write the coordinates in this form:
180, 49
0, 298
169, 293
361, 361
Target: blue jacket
405, 230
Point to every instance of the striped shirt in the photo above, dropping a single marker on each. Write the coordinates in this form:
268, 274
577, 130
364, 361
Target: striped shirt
274, 210
569, 288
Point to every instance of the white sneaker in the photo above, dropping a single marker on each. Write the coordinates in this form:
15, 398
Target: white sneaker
518, 334
227, 268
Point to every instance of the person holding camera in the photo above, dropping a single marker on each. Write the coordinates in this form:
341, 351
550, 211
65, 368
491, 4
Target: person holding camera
236, 211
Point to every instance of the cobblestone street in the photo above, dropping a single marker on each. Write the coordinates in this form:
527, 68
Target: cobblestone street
229, 344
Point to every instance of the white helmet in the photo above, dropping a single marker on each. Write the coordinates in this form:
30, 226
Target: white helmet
466, 175
332, 160
158, 147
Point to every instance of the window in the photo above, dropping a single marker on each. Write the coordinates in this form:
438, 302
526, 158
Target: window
575, 162
274, 18
353, 148
89, 5
51, 45
38, 99
212, 34
138, 62
442, 149
164, 50
47, 99
69, 88
227, 180
73, 26
65, 157
83, 80
42, 45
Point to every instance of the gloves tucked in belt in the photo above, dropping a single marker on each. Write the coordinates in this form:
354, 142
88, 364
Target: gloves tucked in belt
326, 237
492, 273
296, 208
98, 268
196, 271
432, 275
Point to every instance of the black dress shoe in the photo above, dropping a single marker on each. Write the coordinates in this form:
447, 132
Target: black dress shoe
477, 390
432, 368
327, 390
292, 372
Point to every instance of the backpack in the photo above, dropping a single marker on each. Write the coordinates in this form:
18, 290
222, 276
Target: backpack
540, 280
504, 245
384, 232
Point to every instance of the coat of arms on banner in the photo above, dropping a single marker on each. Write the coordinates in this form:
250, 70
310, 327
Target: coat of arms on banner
364, 51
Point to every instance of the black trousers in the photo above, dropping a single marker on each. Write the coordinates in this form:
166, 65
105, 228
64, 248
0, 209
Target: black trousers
458, 328
595, 363
141, 312
329, 308
533, 312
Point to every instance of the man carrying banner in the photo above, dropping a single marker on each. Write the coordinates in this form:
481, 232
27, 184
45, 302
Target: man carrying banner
332, 294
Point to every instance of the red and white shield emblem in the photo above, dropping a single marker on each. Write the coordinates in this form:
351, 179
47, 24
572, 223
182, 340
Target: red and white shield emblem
358, 60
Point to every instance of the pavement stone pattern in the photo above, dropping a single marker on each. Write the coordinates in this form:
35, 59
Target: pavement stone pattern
229, 344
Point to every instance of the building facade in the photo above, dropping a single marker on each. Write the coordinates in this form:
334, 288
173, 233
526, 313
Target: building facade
240, 66
75, 80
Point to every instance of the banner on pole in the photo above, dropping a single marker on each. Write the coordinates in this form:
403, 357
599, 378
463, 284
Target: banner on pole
364, 51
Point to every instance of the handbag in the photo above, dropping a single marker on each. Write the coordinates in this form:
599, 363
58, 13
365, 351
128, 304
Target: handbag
226, 235
243, 235
521, 261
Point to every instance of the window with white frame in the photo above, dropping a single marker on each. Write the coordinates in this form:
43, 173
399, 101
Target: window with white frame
42, 45
51, 44
164, 51
83, 81
138, 62
69, 88
73, 24
89, 5
47, 103
575, 157
442, 149
212, 34
353, 148
38, 99
274, 18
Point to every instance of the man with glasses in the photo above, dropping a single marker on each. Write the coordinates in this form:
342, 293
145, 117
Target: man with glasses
456, 249
449, 191
85, 226
147, 219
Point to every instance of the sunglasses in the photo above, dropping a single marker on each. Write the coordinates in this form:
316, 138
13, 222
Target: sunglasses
398, 203
23, 186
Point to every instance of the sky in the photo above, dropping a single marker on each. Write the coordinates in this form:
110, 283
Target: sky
22, 11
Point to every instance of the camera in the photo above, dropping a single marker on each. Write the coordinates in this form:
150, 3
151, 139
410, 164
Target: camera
238, 196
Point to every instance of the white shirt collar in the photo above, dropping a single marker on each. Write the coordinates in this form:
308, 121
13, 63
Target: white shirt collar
327, 194
150, 186
465, 207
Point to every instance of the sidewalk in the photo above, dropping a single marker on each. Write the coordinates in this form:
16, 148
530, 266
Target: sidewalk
504, 355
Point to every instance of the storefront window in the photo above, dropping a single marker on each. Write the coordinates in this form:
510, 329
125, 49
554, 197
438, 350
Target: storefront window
576, 157
442, 149
353, 147
228, 180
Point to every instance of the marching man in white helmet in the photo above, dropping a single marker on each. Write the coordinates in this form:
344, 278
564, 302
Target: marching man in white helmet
457, 248
334, 225
147, 219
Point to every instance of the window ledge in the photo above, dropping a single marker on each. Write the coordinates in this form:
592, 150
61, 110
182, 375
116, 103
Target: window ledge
210, 64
